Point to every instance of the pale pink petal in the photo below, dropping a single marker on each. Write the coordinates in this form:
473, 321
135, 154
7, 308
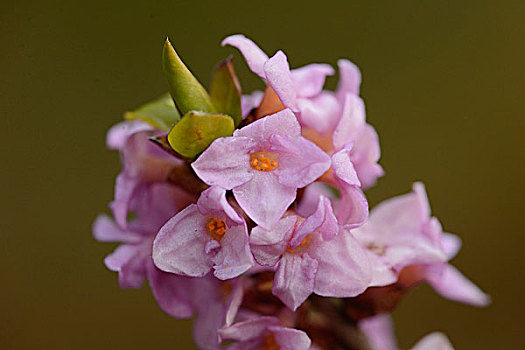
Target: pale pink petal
382, 273
264, 199
351, 123
343, 168
344, 269
310, 199
234, 257
294, 279
226, 163
119, 133
352, 208
254, 56
379, 331
279, 77
309, 80
180, 244
249, 329
453, 285
451, 244
268, 245
349, 78
290, 338
433, 341
172, 292
280, 123
105, 230
365, 155
213, 202
322, 221
125, 188
129, 261
320, 112
301, 162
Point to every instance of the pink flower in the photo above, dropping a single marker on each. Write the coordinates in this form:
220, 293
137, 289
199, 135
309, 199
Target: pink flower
264, 333
132, 259
264, 163
144, 164
314, 255
400, 232
331, 120
207, 235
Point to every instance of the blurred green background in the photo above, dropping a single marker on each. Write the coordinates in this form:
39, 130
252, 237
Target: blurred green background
443, 83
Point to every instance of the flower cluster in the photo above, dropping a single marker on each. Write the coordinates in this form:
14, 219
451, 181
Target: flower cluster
248, 212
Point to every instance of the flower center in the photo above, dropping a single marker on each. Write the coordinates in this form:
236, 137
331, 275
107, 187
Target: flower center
303, 243
263, 161
376, 248
270, 343
216, 228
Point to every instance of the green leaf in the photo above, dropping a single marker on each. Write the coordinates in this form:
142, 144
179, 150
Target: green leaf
197, 130
186, 91
160, 113
225, 91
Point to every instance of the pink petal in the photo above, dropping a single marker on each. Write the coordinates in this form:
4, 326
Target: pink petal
344, 169
365, 155
249, 329
171, 292
309, 80
280, 78
268, 245
180, 244
264, 199
234, 258
105, 230
119, 133
213, 202
451, 244
344, 270
349, 78
301, 162
433, 341
351, 123
379, 331
451, 284
129, 261
322, 221
352, 208
382, 273
320, 112
125, 188
226, 163
254, 56
290, 338
294, 279
310, 199
280, 123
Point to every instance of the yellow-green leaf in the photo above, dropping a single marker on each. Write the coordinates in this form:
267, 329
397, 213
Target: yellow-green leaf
160, 113
186, 91
197, 130
225, 91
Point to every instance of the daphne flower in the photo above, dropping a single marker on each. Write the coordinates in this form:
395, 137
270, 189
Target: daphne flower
314, 255
264, 163
132, 259
400, 232
206, 235
331, 120
144, 164
264, 333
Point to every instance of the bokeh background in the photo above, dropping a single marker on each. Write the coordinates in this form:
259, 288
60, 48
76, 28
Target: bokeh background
443, 83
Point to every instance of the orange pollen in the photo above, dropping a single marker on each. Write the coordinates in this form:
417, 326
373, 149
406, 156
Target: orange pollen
270, 343
303, 243
263, 161
216, 227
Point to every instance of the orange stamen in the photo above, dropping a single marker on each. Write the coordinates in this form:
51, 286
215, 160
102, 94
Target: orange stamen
270, 343
263, 161
216, 228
